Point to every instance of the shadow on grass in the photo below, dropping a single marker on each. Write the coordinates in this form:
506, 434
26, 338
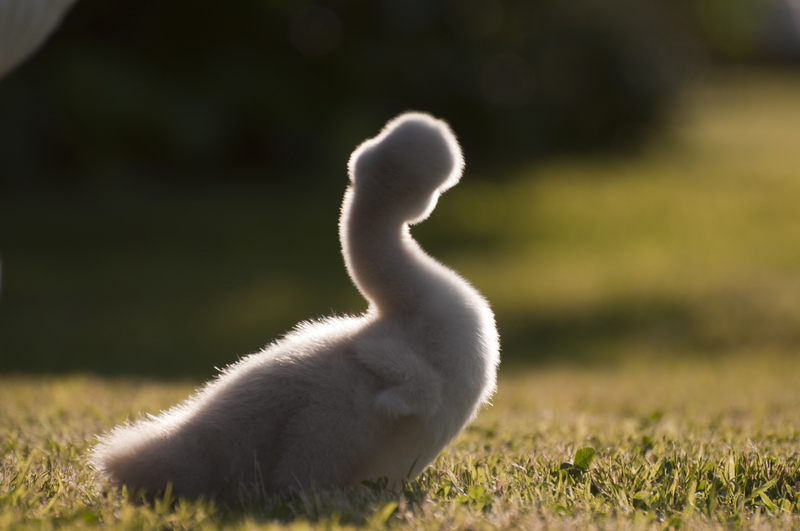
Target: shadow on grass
370, 505
646, 327
599, 334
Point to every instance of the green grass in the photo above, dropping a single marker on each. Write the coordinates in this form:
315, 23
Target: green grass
659, 295
696, 444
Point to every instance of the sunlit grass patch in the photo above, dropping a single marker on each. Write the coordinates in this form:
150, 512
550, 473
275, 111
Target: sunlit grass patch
696, 241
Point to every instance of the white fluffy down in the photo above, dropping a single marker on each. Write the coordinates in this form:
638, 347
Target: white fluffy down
341, 400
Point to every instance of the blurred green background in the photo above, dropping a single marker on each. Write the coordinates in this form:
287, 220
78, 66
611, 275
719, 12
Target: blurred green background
170, 174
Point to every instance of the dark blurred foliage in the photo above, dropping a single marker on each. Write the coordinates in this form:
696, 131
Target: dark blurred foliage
166, 91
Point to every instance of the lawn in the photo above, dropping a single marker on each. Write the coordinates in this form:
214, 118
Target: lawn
649, 308
695, 444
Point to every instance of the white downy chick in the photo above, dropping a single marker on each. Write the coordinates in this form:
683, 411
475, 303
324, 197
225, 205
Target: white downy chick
346, 399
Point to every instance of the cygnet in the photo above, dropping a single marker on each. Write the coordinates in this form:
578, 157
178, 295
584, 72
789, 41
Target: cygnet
344, 399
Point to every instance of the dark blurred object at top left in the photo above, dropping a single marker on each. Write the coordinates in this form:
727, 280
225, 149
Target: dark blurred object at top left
25, 26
